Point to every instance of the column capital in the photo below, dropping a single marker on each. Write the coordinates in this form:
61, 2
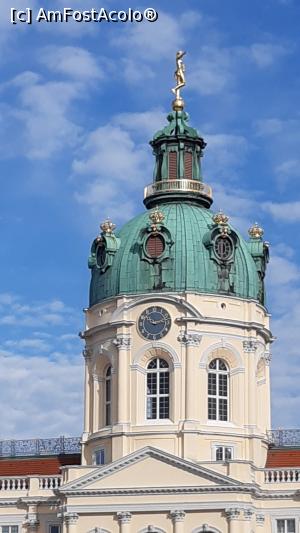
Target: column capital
268, 357
250, 346
189, 339
124, 517
232, 513
122, 342
87, 354
177, 516
32, 523
248, 513
260, 519
71, 518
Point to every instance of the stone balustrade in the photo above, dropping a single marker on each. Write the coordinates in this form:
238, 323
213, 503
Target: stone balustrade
282, 475
29, 484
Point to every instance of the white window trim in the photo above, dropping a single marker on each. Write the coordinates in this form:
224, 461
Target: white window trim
158, 420
285, 516
217, 396
222, 445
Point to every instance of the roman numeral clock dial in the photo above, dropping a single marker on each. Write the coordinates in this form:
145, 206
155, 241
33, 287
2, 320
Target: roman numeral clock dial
154, 323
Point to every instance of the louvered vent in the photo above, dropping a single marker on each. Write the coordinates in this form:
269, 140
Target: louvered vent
188, 165
155, 245
173, 165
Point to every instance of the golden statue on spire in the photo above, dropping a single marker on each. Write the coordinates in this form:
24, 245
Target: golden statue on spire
178, 103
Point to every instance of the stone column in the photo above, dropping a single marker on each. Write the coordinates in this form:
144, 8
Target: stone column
87, 354
233, 517
248, 515
123, 343
97, 384
32, 521
178, 521
124, 518
250, 347
260, 519
70, 520
191, 341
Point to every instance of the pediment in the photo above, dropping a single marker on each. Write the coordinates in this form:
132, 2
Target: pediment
146, 468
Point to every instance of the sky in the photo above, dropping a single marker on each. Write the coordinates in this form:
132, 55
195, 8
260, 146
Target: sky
79, 103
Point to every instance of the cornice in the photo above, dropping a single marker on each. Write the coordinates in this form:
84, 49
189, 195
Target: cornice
142, 491
104, 327
266, 333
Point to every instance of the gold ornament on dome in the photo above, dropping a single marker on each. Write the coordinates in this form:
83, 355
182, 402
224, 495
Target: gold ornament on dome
107, 227
220, 218
178, 103
156, 217
256, 232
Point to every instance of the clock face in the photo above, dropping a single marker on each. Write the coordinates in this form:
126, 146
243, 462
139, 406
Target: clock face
154, 323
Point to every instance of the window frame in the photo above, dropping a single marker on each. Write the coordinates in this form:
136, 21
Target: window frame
224, 447
10, 527
218, 397
54, 525
285, 519
102, 452
158, 395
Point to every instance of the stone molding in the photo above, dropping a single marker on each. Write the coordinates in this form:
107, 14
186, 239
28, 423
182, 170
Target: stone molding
189, 339
87, 353
233, 513
156, 345
122, 342
205, 528
250, 346
71, 518
248, 513
124, 517
260, 519
268, 357
223, 344
97, 379
177, 516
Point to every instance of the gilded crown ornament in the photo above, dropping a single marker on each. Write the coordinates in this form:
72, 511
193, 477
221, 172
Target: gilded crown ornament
256, 232
156, 217
178, 103
107, 227
220, 218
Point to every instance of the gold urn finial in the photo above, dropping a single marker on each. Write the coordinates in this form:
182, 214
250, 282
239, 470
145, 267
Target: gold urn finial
156, 217
220, 218
107, 227
178, 103
256, 232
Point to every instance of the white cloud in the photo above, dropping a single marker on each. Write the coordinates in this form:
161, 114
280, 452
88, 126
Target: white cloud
266, 54
212, 70
285, 211
282, 271
71, 61
144, 124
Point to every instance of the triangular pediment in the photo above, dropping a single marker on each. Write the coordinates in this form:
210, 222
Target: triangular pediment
148, 467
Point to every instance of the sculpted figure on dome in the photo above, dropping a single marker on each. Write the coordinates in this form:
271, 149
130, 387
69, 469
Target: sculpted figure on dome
179, 73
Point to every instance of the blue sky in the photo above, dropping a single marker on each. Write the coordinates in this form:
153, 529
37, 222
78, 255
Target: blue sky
78, 105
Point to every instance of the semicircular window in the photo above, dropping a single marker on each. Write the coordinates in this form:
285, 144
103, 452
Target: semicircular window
101, 255
223, 248
155, 245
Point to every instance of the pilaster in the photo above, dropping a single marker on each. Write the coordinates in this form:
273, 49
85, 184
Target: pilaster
87, 354
178, 517
234, 520
124, 518
123, 344
32, 521
70, 520
191, 342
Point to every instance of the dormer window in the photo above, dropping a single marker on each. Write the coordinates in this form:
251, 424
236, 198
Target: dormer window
223, 248
155, 245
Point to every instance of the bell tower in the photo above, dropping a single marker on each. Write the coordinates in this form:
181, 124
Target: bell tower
177, 333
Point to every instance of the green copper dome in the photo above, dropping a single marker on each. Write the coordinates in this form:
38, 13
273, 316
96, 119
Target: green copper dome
178, 244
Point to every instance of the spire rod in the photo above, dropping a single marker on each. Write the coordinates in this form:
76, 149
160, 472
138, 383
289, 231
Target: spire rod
178, 103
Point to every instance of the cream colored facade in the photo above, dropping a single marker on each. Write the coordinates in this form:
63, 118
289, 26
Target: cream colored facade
162, 476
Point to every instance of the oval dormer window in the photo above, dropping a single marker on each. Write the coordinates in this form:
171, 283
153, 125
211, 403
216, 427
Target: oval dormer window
223, 248
155, 246
101, 255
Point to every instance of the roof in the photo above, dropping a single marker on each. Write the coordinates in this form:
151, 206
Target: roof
46, 466
187, 263
283, 457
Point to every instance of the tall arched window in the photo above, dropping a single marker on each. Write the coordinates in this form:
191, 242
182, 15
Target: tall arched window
218, 390
108, 397
158, 389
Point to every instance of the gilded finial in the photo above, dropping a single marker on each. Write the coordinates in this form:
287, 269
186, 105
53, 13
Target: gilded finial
107, 227
156, 217
220, 218
178, 103
256, 232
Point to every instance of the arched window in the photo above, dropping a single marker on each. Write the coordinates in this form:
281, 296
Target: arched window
158, 389
108, 397
218, 390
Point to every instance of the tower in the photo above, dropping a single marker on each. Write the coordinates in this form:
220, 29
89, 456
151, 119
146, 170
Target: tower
177, 333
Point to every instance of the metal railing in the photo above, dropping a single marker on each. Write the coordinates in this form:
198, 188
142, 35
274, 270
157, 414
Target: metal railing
193, 186
284, 437
34, 447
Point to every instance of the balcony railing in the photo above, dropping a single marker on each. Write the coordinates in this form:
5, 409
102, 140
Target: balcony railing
18, 484
284, 437
193, 186
34, 447
282, 475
